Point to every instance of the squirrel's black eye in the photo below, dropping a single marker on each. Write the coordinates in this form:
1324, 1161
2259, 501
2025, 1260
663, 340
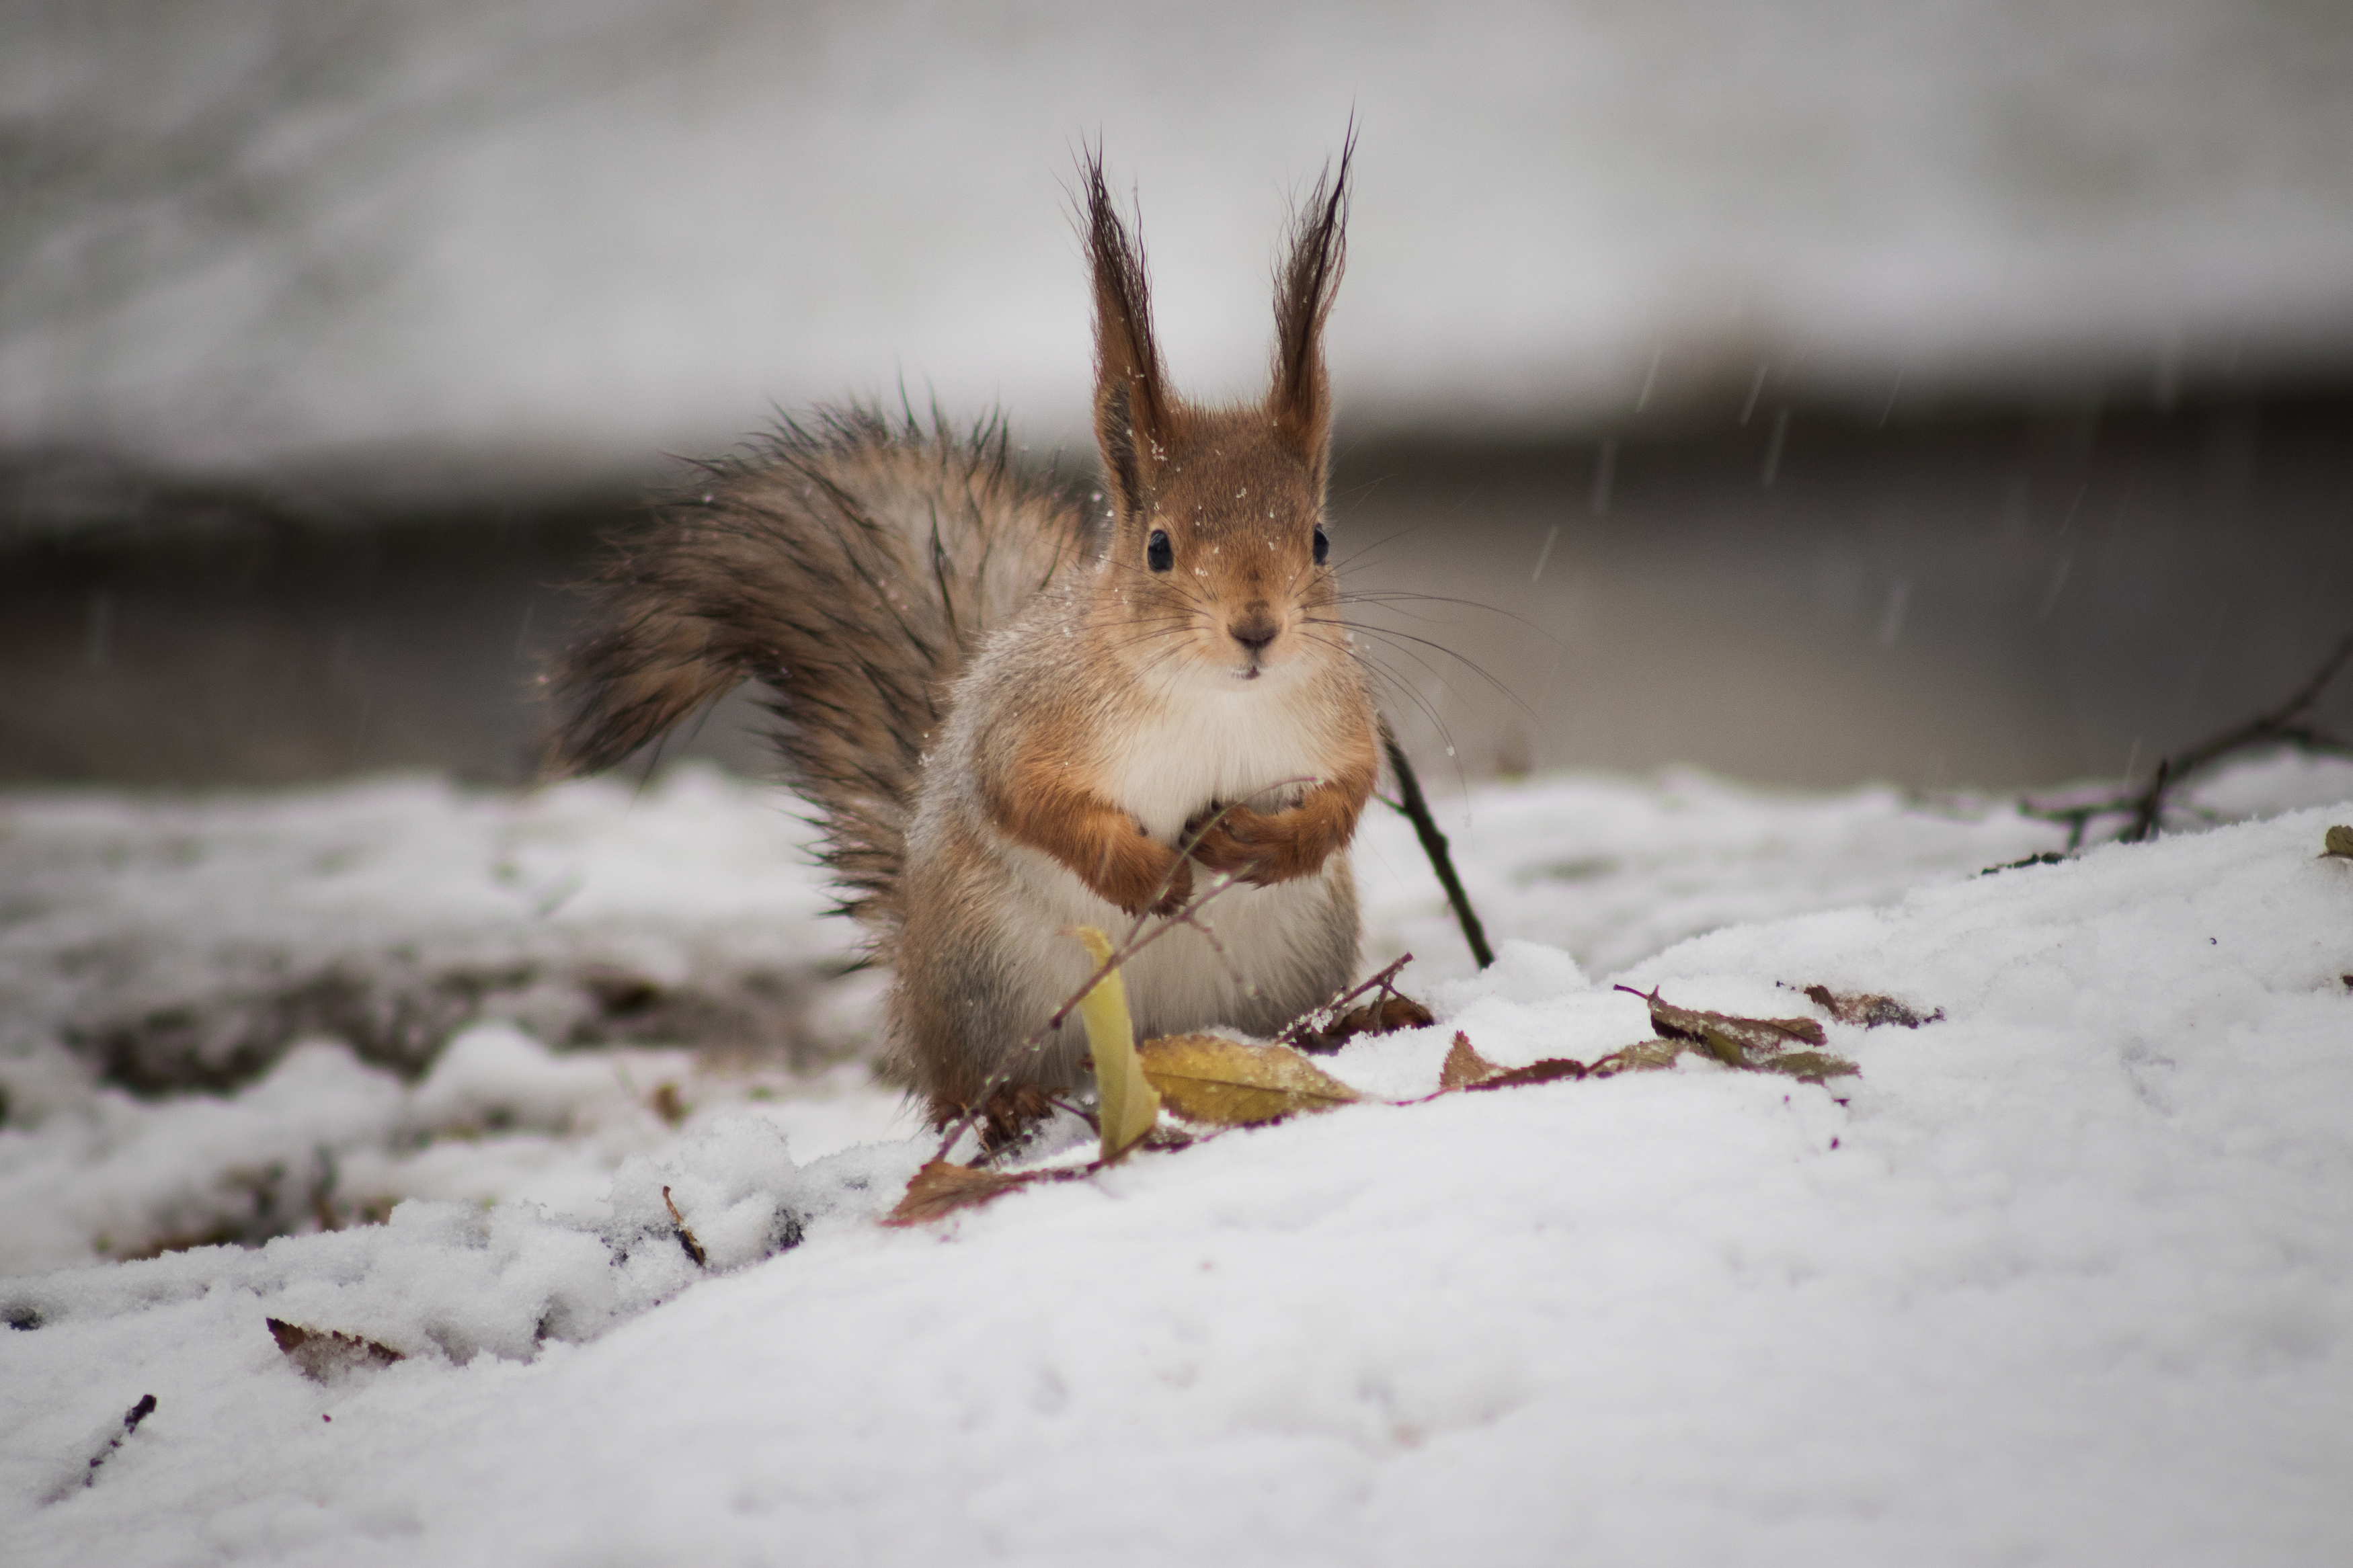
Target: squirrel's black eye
1160, 554
1322, 545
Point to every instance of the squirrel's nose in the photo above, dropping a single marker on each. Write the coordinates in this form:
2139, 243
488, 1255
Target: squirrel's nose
1254, 630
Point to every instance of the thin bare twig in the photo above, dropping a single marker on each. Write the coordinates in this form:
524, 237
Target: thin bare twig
1433, 844
2288, 724
685, 1236
1315, 1020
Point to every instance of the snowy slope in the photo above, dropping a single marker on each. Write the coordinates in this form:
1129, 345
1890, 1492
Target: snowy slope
206, 942
2063, 1276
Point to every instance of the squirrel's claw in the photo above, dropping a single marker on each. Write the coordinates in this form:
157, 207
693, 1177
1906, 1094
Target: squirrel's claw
1266, 847
1179, 893
1241, 843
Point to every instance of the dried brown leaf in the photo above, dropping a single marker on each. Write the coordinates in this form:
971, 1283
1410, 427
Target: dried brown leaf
1391, 1012
1549, 1070
1729, 1039
1869, 1009
1464, 1066
323, 1354
2339, 841
940, 1189
1224, 1083
1810, 1066
1327, 1030
1642, 1056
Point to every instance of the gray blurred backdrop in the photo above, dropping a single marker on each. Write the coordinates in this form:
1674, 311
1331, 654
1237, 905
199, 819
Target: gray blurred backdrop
1950, 393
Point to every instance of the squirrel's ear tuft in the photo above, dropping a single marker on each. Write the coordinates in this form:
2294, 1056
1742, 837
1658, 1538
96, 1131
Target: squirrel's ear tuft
1133, 409
1304, 286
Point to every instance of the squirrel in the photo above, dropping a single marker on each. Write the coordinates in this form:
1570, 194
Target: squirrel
1016, 713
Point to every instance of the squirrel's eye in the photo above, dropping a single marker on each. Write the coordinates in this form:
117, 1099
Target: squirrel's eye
1322, 545
1160, 554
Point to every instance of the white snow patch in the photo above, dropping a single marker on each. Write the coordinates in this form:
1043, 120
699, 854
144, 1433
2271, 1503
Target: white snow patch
2063, 1276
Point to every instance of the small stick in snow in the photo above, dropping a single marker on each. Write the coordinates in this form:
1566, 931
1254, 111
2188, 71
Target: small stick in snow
2289, 723
685, 1236
1323, 1028
1433, 844
89, 1475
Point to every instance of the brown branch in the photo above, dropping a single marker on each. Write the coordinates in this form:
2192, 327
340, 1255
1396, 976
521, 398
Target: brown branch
1433, 844
2284, 724
1315, 1020
685, 1236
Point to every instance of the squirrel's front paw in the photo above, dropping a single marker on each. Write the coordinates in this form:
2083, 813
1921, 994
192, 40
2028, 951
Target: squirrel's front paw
1149, 876
1180, 891
1257, 847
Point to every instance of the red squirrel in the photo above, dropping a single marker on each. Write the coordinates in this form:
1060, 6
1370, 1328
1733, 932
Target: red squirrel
1013, 710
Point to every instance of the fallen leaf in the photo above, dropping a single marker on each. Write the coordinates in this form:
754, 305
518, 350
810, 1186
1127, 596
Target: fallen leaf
1391, 1012
1322, 1030
1125, 1104
1549, 1070
1466, 1069
1729, 1039
939, 1189
1867, 1009
2338, 842
323, 1354
1810, 1067
1228, 1084
1753, 1044
1464, 1066
1642, 1056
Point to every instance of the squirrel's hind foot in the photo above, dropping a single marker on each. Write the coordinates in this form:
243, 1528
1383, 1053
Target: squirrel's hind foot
1009, 1116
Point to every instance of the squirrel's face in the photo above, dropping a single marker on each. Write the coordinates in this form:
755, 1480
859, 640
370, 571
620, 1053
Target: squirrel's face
1219, 569
1223, 573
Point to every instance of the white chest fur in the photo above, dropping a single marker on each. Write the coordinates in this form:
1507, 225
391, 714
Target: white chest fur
1252, 743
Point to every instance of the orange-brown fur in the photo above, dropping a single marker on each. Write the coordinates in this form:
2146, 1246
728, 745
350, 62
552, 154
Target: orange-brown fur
1037, 802
1016, 716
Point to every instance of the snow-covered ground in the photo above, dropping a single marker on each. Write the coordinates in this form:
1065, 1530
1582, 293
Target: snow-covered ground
2061, 1276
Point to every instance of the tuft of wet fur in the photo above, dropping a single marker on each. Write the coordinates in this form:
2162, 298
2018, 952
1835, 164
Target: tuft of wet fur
852, 564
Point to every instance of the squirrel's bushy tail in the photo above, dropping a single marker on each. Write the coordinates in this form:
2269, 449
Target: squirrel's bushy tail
852, 566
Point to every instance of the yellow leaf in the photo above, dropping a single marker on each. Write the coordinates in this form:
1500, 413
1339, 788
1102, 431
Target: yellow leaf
1126, 1103
1226, 1084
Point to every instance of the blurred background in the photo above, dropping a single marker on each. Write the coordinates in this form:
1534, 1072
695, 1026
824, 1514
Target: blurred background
1949, 394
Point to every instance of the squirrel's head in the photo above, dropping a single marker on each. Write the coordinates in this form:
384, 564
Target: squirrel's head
1219, 553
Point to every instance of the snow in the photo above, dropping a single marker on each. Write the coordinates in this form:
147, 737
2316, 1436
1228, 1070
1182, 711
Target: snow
605, 230
2061, 1276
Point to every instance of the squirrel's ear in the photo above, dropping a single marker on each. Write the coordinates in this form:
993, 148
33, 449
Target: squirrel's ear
1133, 410
1301, 401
